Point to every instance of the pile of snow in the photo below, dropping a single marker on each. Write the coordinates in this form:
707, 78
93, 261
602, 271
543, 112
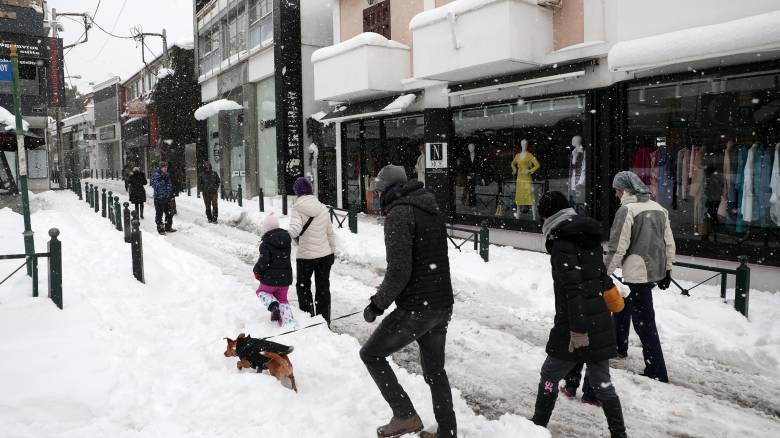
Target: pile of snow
213, 108
400, 103
454, 9
752, 34
8, 119
164, 73
360, 40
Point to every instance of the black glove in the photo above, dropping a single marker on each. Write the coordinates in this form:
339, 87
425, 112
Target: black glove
371, 312
666, 281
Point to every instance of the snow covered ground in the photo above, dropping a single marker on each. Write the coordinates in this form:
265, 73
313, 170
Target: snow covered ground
146, 360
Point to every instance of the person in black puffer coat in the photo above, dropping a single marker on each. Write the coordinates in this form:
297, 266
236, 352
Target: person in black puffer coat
274, 269
582, 329
135, 183
418, 281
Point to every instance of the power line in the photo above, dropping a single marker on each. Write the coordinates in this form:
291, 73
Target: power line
116, 21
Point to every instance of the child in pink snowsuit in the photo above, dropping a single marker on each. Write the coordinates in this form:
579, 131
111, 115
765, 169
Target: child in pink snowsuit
274, 270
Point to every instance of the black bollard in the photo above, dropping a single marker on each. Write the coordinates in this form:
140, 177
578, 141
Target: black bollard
96, 195
103, 203
126, 221
189, 192
240, 196
117, 214
109, 204
136, 249
261, 199
86, 192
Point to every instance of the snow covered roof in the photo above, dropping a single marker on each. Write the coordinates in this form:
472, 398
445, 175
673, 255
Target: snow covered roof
400, 103
134, 119
8, 119
373, 108
363, 39
746, 35
454, 8
213, 108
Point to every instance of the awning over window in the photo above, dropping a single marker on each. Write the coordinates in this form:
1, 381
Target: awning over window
213, 108
756, 34
372, 108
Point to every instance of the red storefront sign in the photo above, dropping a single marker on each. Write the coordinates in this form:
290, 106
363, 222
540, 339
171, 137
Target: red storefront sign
135, 108
56, 73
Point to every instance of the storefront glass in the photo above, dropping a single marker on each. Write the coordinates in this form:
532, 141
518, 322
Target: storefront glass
352, 164
266, 138
507, 155
405, 144
706, 148
215, 149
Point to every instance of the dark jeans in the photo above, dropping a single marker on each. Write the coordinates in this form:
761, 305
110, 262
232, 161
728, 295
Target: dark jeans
639, 308
139, 208
399, 329
212, 208
596, 375
163, 206
321, 269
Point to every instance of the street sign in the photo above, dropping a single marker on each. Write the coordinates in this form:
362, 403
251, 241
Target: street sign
6, 72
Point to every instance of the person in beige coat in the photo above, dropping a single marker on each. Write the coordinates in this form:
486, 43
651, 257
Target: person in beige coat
310, 226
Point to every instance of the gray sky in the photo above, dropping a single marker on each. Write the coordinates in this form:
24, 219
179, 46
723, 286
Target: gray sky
104, 55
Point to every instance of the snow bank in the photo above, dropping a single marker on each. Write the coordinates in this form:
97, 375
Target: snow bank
751, 34
363, 39
213, 108
164, 73
8, 119
455, 8
400, 103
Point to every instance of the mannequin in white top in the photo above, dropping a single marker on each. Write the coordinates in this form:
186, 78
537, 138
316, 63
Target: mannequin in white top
420, 166
577, 168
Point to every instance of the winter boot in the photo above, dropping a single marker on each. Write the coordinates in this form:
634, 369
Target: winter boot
275, 313
588, 399
400, 426
614, 414
161, 231
568, 392
545, 403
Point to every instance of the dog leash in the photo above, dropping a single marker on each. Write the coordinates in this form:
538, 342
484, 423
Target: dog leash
311, 325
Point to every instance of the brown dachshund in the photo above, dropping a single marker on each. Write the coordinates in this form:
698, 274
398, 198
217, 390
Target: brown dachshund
260, 354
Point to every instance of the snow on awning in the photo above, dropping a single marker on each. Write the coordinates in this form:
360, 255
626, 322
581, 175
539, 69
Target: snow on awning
747, 35
373, 108
363, 39
164, 73
213, 108
8, 119
451, 11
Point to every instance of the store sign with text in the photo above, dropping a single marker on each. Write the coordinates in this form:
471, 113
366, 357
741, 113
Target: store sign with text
136, 108
435, 155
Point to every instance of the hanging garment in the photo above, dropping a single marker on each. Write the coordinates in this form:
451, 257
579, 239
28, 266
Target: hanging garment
747, 188
577, 176
728, 183
641, 165
419, 168
697, 188
774, 185
762, 174
654, 174
683, 158
739, 188
665, 185
524, 165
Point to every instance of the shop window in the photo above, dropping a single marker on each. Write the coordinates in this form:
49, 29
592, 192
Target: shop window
266, 137
352, 164
376, 19
406, 143
706, 148
261, 28
506, 156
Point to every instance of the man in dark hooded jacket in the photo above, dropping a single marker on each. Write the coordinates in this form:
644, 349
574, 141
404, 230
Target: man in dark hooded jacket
418, 281
582, 329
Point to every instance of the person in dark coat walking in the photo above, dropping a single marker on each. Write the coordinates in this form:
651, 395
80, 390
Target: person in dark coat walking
163, 193
417, 279
582, 329
274, 268
136, 182
209, 184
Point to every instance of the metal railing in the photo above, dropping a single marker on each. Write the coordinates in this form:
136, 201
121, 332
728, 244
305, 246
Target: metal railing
233, 195
341, 216
741, 282
55, 267
479, 237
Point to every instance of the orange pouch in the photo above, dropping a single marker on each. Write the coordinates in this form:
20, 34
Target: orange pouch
614, 300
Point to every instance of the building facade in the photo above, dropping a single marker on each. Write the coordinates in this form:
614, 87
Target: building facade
257, 53
494, 103
107, 98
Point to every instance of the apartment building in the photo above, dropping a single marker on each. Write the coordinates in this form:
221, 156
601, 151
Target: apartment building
494, 102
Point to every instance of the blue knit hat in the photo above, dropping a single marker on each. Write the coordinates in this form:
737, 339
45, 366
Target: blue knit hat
302, 186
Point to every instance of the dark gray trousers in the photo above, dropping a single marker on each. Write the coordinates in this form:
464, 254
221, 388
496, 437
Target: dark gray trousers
597, 373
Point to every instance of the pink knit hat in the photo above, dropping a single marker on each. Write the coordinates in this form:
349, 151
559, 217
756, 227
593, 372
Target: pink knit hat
270, 223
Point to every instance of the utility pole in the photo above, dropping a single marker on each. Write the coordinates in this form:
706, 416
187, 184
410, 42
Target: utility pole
142, 35
21, 156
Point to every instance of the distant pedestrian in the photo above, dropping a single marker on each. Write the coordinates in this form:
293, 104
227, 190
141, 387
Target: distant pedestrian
163, 193
136, 182
274, 270
126, 172
310, 226
642, 244
582, 328
417, 279
209, 185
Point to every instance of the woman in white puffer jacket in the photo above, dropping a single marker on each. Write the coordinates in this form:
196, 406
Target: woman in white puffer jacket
316, 247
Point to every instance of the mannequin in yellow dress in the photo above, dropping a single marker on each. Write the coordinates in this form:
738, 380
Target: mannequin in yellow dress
524, 165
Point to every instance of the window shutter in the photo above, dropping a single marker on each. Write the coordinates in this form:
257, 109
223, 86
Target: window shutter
376, 19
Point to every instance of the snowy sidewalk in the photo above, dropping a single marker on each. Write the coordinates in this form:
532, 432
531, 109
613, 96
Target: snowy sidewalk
724, 370
126, 359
